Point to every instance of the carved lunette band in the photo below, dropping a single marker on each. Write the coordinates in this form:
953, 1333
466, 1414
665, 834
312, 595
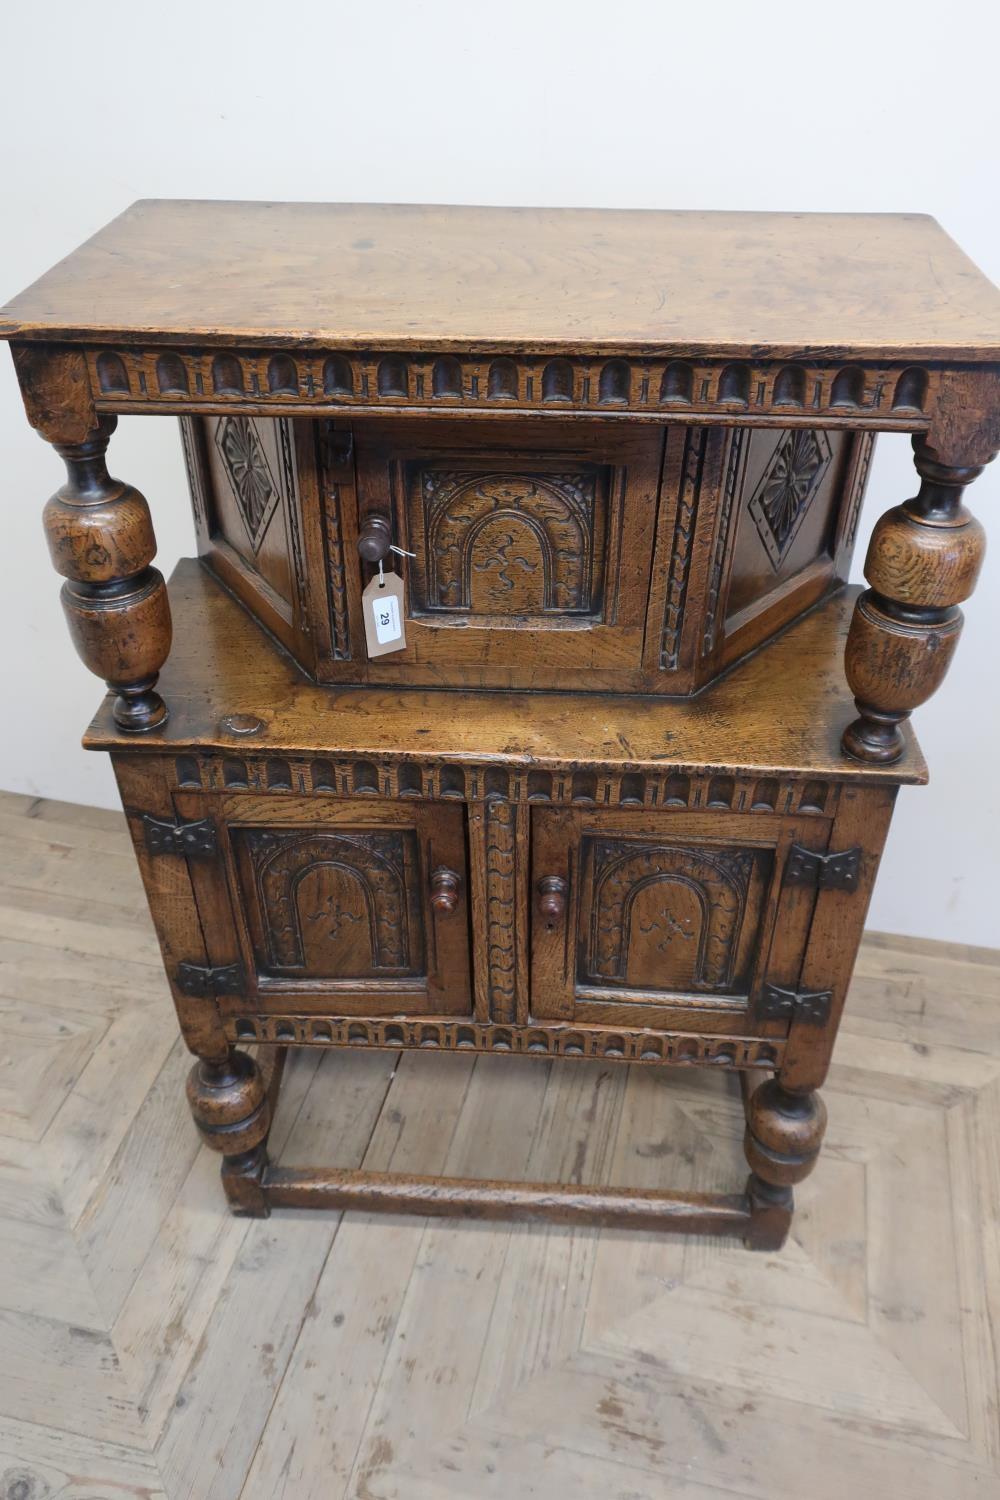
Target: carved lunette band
923, 561
141, 378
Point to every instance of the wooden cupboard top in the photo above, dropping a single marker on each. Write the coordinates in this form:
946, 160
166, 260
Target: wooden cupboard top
781, 711
352, 276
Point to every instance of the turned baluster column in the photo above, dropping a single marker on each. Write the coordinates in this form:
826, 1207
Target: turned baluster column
923, 561
100, 535
784, 1133
232, 1111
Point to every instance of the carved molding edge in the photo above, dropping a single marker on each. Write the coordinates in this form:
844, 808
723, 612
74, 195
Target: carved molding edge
292, 507
331, 512
894, 394
432, 781
864, 453
542, 1040
732, 486
191, 440
501, 908
689, 492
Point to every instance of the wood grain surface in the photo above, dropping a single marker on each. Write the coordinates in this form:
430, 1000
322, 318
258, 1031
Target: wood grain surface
584, 280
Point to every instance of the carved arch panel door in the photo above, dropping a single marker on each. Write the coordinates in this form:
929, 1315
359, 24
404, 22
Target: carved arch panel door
533, 547
338, 908
663, 919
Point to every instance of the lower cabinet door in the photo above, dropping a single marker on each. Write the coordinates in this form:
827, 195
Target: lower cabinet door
673, 920
338, 908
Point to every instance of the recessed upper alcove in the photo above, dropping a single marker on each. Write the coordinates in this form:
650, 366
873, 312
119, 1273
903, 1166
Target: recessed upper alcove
535, 553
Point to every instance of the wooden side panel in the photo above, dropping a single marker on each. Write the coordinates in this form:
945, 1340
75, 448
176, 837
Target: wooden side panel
862, 821
786, 521
244, 484
144, 783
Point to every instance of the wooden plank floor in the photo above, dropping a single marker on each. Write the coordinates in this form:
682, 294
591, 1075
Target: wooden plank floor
152, 1346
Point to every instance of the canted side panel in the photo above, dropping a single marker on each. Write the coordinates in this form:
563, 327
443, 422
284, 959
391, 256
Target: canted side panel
779, 522
244, 481
250, 483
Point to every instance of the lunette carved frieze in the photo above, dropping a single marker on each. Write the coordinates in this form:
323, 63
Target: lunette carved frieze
433, 780
894, 395
626, 1044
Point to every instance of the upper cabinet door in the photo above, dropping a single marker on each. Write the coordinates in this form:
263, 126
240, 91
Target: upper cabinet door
532, 546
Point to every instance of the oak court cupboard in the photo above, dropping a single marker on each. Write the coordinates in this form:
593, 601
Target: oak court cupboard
516, 701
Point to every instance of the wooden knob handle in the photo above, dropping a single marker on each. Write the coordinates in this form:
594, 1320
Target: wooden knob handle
445, 888
374, 536
552, 897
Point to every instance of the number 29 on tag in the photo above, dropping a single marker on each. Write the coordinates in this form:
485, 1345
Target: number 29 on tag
382, 602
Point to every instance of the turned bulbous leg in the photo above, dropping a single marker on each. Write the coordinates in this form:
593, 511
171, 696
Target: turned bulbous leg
923, 561
230, 1107
782, 1142
101, 540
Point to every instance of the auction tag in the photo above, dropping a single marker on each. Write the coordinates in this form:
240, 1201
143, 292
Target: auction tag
382, 602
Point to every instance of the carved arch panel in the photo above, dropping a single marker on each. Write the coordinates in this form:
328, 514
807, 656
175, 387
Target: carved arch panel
336, 902
662, 915
530, 547
666, 917
516, 543
332, 898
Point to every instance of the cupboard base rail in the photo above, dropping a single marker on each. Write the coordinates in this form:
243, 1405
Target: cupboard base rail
234, 1101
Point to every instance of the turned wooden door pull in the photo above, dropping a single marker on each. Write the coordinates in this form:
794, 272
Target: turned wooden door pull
374, 537
552, 897
445, 888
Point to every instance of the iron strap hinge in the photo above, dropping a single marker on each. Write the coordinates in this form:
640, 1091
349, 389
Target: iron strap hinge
778, 1004
195, 840
827, 872
201, 982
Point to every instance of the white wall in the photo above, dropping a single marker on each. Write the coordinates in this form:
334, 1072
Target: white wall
720, 105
